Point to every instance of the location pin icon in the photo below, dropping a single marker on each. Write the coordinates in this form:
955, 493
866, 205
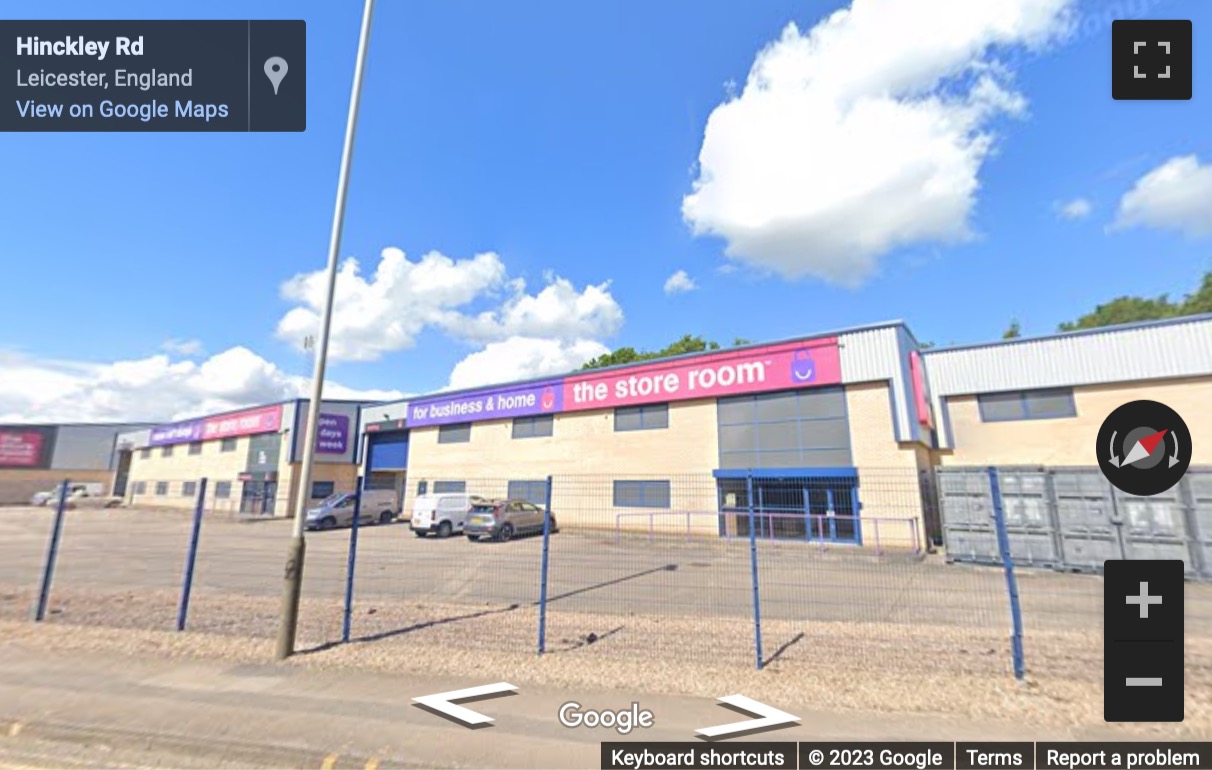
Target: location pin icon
275, 70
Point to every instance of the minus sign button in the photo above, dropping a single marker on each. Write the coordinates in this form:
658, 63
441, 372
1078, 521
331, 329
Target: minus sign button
1144, 681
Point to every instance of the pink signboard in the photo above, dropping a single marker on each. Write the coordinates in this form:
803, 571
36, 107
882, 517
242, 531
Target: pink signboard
753, 370
264, 420
924, 415
21, 449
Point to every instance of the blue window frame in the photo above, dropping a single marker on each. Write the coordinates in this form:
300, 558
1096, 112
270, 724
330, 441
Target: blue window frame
1051, 404
223, 489
189, 489
792, 503
530, 491
641, 494
646, 417
538, 426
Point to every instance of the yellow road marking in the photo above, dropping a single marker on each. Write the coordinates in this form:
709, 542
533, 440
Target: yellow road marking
15, 729
329, 762
372, 764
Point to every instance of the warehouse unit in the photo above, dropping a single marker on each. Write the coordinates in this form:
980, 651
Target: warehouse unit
830, 426
384, 454
250, 457
36, 457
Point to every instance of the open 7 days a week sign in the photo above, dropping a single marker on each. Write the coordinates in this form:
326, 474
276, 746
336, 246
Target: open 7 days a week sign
753, 370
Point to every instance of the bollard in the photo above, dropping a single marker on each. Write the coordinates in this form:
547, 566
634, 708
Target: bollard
191, 556
347, 622
52, 553
1003, 545
753, 562
543, 571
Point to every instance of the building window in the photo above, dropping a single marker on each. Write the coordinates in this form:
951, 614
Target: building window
533, 427
222, 489
1027, 405
449, 487
422, 487
227, 445
195, 447
647, 417
460, 433
140, 487
641, 494
166, 451
787, 429
322, 489
189, 489
144, 453
530, 491
161, 488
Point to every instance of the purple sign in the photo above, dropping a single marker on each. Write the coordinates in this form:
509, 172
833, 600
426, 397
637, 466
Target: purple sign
520, 401
333, 436
177, 433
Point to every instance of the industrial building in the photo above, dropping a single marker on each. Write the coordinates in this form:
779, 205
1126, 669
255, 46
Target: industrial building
835, 416
36, 457
251, 458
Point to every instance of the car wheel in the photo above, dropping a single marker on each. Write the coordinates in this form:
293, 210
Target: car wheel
419, 533
328, 522
385, 517
554, 528
473, 538
444, 529
506, 532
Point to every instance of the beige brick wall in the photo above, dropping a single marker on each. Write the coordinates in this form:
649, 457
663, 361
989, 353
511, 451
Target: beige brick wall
1070, 441
889, 485
18, 486
181, 467
585, 454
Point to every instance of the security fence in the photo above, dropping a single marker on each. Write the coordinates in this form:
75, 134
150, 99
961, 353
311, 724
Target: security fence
833, 571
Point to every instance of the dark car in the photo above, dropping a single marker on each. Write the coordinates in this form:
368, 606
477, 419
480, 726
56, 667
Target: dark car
503, 519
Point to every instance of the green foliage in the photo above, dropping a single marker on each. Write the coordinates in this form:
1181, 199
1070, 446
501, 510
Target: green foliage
1013, 331
687, 344
1122, 310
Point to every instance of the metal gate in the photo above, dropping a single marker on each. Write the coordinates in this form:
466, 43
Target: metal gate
1074, 519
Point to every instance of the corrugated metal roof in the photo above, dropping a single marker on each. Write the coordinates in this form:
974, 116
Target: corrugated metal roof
877, 355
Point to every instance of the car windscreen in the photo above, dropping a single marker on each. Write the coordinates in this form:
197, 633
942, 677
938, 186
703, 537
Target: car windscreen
482, 508
334, 500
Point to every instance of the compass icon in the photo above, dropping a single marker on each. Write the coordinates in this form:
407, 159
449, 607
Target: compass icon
1144, 448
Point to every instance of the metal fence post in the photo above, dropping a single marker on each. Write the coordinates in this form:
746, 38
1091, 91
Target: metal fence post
1003, 545
351, 564
191, 556
52, 553
753, 563
543, 570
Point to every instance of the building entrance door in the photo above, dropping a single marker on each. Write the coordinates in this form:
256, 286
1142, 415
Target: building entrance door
821, 504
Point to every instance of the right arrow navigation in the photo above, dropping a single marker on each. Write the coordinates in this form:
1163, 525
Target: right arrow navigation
769, 718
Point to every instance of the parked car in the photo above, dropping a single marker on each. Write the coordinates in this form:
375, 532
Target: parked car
503, 519
378, 506
74, 492
442, 514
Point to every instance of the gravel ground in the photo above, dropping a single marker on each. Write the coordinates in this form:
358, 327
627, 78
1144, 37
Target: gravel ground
868, 667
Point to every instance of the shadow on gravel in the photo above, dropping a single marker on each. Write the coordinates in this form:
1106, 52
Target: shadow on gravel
783, 648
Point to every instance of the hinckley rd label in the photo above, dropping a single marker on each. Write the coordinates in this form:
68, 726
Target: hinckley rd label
67, 76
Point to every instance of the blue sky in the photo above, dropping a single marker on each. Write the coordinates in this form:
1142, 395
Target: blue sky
565, 138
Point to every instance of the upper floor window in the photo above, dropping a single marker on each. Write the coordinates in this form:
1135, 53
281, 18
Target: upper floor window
1027, 405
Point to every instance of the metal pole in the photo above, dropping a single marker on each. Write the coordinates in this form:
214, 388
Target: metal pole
1003, 545
353, 560
52, 553
191, 557
543, 571
294, 558
753, 563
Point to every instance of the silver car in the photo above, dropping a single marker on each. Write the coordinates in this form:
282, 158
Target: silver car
378, 506
502, 519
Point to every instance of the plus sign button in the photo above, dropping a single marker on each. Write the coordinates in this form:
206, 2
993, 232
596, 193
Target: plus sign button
1151, 59
1143, 640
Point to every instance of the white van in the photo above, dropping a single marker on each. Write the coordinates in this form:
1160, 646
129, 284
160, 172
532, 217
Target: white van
443, 514
378, 506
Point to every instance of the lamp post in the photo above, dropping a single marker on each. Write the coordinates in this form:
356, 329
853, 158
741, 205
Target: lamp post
295, 553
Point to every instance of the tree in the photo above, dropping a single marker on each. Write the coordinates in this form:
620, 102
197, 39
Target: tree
1013, 331
1125, 309
687, 344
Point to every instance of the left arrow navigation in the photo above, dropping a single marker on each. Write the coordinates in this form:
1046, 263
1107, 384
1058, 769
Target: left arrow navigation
444, 702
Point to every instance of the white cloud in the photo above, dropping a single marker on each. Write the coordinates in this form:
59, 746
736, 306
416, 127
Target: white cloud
1177, 195
864, 134
679, 282
387, 311
519, 358
155, 388
1078, 208
183, 347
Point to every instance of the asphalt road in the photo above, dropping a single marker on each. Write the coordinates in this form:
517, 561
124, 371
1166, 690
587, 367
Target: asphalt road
589, 572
